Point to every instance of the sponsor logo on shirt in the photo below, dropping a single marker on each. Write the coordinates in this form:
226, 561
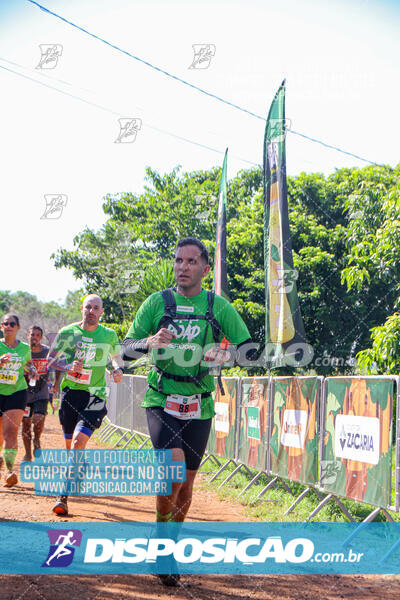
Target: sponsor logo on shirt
185, 309
185, 330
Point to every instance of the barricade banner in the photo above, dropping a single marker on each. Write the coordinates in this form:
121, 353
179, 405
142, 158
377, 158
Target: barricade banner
356, 459
111, 391
124, 408
253, 437
294, 434
222, 440
140, 387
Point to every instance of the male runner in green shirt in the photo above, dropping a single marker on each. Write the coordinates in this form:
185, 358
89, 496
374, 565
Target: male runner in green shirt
37, 393
82, 350
183, 329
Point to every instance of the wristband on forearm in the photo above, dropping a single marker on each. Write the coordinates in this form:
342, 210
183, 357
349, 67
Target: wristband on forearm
132, 349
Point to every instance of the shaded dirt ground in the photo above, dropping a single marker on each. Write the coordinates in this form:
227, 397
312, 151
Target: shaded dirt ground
20, 504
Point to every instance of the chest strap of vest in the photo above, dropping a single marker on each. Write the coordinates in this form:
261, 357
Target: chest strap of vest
169, 310
196, 379
168, 319
203, 395
170, 313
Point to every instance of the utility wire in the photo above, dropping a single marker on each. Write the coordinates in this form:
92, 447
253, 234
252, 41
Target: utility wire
191, 85
118, 114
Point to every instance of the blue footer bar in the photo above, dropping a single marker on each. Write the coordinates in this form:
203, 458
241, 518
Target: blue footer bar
196, 548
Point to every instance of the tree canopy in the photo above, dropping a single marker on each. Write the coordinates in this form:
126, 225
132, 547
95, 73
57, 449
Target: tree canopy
50, 316
345, 231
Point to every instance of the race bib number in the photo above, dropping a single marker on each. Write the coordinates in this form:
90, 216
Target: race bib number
183, 407
84, 377
28, 411
40, 365
9, 377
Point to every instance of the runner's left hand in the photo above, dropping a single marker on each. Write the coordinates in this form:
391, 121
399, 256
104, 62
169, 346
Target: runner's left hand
116, 375
216, 356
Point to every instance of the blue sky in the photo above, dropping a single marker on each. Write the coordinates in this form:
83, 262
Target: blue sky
340, 60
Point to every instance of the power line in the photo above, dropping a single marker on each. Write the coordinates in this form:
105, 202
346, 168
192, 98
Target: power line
118, 114
332, 147
191, 85
58, 90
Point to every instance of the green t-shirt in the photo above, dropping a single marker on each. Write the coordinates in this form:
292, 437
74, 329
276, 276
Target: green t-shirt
186, 351
93, 347
12, 373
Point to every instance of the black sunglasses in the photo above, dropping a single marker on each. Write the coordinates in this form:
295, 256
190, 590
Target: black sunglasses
10, 323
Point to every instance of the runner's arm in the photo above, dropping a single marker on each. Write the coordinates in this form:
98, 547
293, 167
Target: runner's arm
5, 358
30, 371
116, 361
132, 349
143, 335
57, 362
243, 351
58, 375
118, 370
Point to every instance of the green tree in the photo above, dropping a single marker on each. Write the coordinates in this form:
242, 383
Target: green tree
326, 228
50, 316
373, 270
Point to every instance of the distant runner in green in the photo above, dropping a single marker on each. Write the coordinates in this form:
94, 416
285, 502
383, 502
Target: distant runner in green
15, 359
183, 328
82, 350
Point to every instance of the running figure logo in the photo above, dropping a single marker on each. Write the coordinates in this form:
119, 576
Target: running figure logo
128, 130
55, 203
95, 403
203, 54
62, 547
50, 54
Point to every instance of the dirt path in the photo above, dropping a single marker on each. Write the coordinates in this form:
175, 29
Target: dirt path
20, 504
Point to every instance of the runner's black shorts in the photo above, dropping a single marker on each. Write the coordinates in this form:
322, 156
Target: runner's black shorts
80, 410
168, 432
37, 407
17, 400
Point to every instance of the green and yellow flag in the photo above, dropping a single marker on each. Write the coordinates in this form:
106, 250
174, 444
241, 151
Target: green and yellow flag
284, 330
220, 284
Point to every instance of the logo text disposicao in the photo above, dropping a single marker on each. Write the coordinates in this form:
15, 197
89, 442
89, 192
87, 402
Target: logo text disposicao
191, 550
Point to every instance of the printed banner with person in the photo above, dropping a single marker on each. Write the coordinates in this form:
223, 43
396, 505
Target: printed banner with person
294, 436
253, 436
222, 440
356, 457
284, 330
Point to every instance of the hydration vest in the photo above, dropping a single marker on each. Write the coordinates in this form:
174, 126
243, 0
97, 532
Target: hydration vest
168, 319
